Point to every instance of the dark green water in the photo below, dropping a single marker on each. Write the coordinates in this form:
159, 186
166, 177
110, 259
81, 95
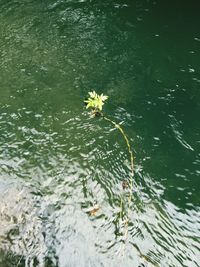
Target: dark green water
56, 162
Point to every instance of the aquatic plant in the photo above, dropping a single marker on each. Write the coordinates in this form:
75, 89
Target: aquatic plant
95, 102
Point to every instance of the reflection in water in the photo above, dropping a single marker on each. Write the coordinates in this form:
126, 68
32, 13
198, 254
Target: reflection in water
57, 163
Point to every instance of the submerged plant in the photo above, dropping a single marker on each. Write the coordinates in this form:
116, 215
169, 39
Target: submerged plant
95, 102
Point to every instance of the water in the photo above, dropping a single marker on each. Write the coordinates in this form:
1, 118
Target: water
57, 163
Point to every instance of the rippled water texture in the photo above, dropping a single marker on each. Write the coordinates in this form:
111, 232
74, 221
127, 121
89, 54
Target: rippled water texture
57, 163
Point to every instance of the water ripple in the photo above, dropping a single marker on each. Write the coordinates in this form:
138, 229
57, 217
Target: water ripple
61, 171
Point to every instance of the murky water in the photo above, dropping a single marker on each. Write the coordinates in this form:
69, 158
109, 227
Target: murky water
57, 163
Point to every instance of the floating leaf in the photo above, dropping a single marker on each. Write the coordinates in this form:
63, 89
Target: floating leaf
125, 184
93, 211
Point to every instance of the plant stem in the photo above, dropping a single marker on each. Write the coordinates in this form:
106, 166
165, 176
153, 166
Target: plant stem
131, 175
127, 142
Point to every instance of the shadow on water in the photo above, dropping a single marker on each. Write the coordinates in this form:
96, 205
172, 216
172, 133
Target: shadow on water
57, 163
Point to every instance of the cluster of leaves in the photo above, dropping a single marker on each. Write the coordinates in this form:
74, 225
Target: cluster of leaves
95, 101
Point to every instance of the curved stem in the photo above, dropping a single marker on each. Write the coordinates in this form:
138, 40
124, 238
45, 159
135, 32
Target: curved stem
130, 184
127, 142
131, 175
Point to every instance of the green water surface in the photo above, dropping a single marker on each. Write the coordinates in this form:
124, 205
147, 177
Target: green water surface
56, 162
